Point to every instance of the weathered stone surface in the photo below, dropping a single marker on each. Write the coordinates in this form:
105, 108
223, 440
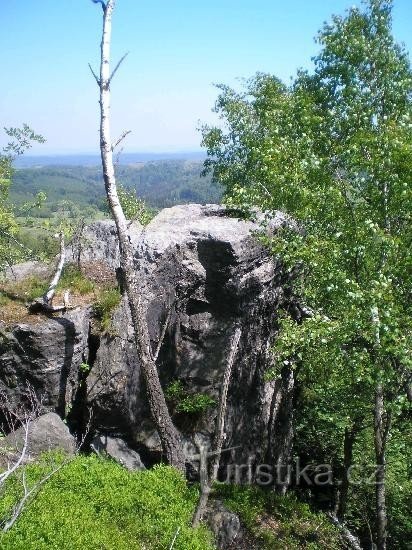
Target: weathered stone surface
46, 433
98, 242
118, 450
224, 524
27, 269
210, 269
45, 356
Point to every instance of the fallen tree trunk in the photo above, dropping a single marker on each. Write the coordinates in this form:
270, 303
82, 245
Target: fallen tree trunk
44, 304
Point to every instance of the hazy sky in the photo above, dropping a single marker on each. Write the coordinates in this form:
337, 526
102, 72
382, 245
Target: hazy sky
178, 49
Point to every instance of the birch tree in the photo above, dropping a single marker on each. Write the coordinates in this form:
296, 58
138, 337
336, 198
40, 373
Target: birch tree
169, 435
334, 150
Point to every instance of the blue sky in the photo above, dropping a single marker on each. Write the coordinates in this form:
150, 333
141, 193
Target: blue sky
165, 87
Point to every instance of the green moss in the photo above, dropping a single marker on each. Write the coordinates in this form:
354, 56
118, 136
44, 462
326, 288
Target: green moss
106, 303
94, 504
280, 522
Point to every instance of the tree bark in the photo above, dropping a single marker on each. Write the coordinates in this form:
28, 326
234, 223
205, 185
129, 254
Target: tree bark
349, 440
381, 428
169, 436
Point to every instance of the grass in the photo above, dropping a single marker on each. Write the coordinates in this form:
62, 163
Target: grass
75, 280
280, 522
107, 301
94, 503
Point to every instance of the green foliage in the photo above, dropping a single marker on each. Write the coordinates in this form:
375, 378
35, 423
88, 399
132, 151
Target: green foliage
185, 402
334, 151
11, 250
107, 301
95, 503
84, 368
72, 278
133, 207
280, 522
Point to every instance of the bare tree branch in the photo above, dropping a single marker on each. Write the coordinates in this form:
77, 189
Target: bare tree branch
162, 335
95, 75
121, 138
116, 68
174, 539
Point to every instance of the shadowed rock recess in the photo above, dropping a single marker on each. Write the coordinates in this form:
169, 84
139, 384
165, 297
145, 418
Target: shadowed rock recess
207, 268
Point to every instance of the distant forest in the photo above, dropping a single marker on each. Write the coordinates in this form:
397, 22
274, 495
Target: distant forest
159, 183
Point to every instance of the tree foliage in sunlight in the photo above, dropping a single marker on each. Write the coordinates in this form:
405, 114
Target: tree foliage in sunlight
334, 150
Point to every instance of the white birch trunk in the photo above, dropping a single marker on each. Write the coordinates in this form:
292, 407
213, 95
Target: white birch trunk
170, 437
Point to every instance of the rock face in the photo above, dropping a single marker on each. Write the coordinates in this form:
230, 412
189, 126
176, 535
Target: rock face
224, 524
209, 270
97, 241
206, 272
46, 356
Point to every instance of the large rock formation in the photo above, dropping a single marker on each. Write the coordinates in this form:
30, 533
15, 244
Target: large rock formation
207, 272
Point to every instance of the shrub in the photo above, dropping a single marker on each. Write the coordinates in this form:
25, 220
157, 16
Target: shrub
280, 522
183, 401
94, 503
107, 301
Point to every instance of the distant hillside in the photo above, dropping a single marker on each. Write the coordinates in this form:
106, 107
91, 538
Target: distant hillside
42, 161
160, 183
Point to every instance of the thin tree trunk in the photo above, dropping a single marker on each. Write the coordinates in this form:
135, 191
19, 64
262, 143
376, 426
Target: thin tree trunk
169, 436
381, 427
207, 478
349, 440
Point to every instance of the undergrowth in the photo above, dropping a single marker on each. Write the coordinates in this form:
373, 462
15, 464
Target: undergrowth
280, 522
93, 503
106, 302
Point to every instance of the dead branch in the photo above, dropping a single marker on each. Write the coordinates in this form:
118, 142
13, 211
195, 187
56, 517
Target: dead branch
220, 421
117, 67
174, 538
16, 417
162, 335
31, 493
95, 75
207, 479
120, 139
28, 493
45, 302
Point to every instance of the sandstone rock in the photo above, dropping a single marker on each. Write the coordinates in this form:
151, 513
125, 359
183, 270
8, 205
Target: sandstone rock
47, 357
46, 433
118, 450
224, 524
98, 242
211, 270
